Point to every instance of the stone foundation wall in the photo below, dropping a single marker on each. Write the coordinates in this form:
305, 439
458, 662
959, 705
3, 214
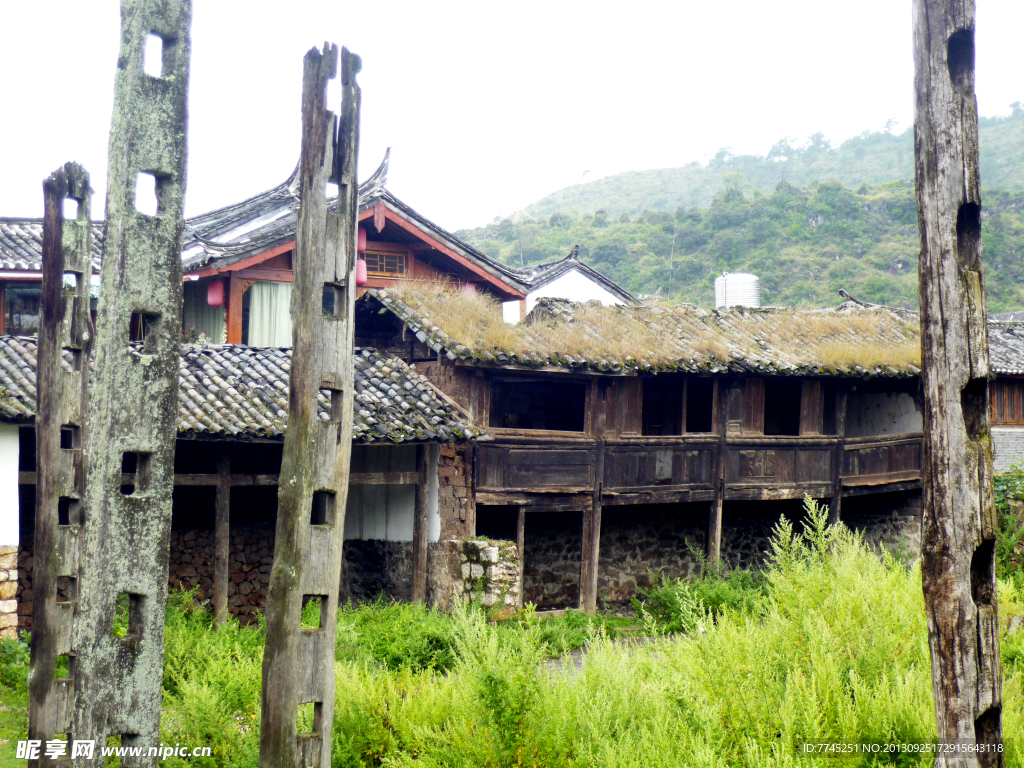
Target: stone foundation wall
489, 573
8, 591
372, 566
455, 504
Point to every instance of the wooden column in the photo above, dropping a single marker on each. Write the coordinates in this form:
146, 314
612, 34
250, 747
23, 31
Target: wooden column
222, 537
298, 660
234, 308
521, 548
959, 521
419, 525
592, 536
835, 507
133, 408
713, 544
61, 407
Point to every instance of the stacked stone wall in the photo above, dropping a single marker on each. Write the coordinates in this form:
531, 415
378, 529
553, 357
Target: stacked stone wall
455, 491
8, 591
1007, 447
489, 572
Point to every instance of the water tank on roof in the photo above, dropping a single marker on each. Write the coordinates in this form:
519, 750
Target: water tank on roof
737, 289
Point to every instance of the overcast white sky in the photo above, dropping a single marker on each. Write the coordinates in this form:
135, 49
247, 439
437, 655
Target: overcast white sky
488, 105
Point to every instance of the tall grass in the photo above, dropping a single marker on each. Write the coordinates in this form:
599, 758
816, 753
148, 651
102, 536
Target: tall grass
835, 649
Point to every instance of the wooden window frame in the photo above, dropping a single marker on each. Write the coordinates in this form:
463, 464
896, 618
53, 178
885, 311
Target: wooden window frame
382, 256
1006, 390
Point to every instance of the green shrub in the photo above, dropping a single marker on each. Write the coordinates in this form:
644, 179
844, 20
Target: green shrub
14, 658
1009, 485
396, 635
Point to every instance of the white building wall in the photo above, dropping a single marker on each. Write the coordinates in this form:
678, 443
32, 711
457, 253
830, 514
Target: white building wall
882, 413
1007, 447
9, 485
386, 512
574, 286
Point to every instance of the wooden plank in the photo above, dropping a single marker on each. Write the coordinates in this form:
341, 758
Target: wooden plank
385, 478
555, 502
61, 404
882, 478
419, 526
758, 492
864, 490
133, 407
298, 664
267, 275
222, 537
632, 407
658, 496
812, 412
753, 407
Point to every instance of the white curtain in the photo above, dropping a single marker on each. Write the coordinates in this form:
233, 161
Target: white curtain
270, 319
197, 313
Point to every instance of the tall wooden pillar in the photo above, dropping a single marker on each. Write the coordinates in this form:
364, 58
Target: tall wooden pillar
521, 549
132, 423
959, 518
61, 407
222, 537
713, 544
298, 660
835, 507
592, 536
420, 524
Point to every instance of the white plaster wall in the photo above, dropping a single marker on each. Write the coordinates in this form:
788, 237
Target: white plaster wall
9, 485
882, 413
386, 511
574, 286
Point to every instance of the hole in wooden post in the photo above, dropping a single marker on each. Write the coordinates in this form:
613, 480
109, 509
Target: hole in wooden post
146, 194
72, 281
960, 58
974, 406
308, 718
314, 612
983, 565
128, 615
331, 190
334, 301
153, 56
76, 358
136, 463
968, 235
322, 508
62, 666
70, 437
333, 403
986, 731
67, 589
145, 327
70, 209
68, 511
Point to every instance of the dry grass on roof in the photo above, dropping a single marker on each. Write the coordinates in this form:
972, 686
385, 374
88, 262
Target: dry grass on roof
663, 334
475, 319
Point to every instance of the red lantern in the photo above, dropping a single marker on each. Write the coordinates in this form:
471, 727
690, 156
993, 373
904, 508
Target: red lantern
361, 271
361, 245
215, 293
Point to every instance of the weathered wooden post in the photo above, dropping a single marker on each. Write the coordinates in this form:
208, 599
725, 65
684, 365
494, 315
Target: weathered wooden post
133, 410
298, 661
61, 396
959, 525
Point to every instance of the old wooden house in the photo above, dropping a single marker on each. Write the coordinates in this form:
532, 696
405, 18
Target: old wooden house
617, 437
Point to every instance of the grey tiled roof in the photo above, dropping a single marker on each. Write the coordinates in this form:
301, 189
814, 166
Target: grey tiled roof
238, 392
1006, 347
21, 244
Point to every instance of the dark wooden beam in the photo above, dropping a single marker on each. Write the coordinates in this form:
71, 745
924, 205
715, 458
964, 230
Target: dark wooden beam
713, 543
221, 536
521, 549
835, 507
592, 537
365, 478
267, 275
420, 523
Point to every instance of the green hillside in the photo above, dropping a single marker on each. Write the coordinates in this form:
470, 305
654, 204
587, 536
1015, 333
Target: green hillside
804, 243
807, 221
871, 158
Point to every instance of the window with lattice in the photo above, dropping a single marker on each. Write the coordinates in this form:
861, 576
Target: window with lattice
385, 264
1006, 401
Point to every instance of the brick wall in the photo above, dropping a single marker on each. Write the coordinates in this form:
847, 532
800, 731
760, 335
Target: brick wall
1007, 447
451, 380
455, 505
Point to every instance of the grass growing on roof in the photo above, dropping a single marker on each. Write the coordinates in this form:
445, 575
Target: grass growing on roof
662, 335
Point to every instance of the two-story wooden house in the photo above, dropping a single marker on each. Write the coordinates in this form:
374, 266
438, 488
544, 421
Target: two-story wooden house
661, 412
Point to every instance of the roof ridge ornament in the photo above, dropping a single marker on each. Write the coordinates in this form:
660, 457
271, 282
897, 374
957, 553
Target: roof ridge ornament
374, 185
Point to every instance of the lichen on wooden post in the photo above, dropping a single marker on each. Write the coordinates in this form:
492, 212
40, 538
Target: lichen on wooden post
959, 522
132, 420
62, 378
298, 660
